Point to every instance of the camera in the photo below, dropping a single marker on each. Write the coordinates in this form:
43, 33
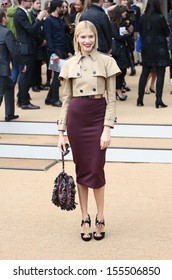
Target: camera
130, 15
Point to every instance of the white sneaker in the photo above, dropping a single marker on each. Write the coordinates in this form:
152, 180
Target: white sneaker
170, 81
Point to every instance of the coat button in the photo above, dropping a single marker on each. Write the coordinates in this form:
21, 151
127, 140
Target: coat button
78, 74
94, 72
94, 89
81, 90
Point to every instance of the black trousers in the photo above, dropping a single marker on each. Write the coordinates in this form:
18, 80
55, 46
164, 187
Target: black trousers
7, 90
120, 79
53, 94
25, 81
48, 72
36, 73
160, 71
170, 64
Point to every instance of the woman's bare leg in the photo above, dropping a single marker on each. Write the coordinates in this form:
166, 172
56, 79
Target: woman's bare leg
83, 199
153, 79
147, 91
99, 198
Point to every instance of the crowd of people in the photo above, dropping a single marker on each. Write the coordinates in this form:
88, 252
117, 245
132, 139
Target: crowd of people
47, 33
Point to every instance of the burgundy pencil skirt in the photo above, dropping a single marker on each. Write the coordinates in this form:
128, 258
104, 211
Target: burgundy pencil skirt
84, 128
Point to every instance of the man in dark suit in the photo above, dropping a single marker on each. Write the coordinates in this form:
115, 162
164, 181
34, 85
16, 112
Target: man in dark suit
8, 49
41, 49
25, 36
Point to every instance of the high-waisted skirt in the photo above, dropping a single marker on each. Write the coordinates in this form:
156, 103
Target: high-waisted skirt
84, 128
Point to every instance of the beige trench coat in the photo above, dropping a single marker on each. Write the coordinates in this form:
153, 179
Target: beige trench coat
82, 76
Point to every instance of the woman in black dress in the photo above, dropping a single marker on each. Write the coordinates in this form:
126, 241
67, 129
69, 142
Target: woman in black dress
155, 54
86, 78
121, 38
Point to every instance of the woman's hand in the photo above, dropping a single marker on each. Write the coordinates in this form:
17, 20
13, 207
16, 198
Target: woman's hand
105, 138
61, 142
130, 29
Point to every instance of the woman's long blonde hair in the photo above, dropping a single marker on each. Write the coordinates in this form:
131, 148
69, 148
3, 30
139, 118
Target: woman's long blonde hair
85, 24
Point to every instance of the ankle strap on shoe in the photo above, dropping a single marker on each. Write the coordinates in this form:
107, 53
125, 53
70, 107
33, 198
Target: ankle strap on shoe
100, 222
86, 221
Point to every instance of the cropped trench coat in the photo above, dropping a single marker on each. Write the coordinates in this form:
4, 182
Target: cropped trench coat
97, 78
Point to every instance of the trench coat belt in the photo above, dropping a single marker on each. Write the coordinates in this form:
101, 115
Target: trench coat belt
96, 96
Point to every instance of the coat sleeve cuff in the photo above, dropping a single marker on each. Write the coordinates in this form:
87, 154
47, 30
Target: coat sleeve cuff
61, 126
110, 123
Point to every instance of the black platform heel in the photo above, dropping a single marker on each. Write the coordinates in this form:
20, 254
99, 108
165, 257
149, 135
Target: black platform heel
86, 236
159, 103
140, 102
100, 235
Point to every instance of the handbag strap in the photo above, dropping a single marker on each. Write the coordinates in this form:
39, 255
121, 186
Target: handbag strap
63, 166
63, 155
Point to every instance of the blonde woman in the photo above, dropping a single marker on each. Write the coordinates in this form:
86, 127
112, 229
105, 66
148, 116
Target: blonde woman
88, 117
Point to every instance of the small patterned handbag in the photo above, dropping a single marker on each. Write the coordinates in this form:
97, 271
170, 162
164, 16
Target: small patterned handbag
64, 188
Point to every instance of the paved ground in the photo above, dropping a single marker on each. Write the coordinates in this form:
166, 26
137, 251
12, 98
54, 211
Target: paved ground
138, 200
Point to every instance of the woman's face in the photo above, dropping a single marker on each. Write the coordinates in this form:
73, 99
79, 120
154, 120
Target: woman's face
86, 39
124, 14
124, 3
78, 6
64, 7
